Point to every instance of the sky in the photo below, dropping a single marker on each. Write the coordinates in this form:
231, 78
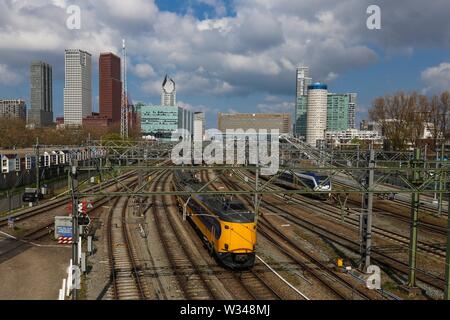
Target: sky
234, 55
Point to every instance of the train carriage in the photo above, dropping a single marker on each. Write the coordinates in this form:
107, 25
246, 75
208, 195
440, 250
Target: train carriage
309, 180
227, 227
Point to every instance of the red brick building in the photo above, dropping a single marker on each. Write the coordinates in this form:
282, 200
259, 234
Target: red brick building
110, 87
96, 121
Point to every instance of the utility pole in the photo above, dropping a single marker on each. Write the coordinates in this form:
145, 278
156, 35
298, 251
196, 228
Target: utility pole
140, 184
75, 231
447, 257
124, 115
441, 181
257, 181
38, 164
415, 205
367, 214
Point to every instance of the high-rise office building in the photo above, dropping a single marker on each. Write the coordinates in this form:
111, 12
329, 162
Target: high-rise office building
110, 87
303, 81
352, 106
13, 109
77, 87
301, 120
317, 113
169, 93
338, 112
199, 126
41, 93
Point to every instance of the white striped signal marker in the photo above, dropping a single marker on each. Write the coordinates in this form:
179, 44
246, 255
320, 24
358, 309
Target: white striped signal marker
65, 240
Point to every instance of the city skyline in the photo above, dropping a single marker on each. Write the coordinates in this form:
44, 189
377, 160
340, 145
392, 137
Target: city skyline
252, 66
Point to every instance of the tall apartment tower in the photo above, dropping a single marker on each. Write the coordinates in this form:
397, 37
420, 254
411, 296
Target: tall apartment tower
303, 81
110, 87
352, 106
77, 87
13, 109
317, 113
169, 93
41, 93
199, 126
301, 102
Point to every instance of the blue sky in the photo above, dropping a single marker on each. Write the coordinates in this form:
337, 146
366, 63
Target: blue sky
234, 56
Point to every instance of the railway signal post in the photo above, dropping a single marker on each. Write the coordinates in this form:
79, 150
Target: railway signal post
367, 214
75, 231
447, 257
415, 204
37, 164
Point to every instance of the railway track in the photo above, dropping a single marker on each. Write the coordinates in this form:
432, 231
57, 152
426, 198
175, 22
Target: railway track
396, 237
401, 200
43, 228
40, 231
125, 275
256, 286
55, 204
249, 284
424, 225
382, 210
269, 292
195, 286
381, 258
333, 212
337, 283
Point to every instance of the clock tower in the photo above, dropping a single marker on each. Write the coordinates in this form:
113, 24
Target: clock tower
169, 93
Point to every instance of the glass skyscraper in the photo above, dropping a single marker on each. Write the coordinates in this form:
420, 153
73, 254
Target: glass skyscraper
301, 111
41, 93
338, 107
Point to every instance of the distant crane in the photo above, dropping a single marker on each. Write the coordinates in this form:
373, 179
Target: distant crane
124, 115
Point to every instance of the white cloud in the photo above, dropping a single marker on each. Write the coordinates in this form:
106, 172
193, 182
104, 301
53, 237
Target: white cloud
253, 51
9, 77
198, 108
438, 77
331, 76
143, 70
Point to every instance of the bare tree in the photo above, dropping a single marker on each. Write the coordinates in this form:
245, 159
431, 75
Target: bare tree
438, 117
401, 117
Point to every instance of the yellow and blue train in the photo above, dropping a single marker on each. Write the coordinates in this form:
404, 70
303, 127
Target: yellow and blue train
227, 227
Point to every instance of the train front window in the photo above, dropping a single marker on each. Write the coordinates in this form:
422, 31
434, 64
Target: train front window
323, 181
236, 206
239, 217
